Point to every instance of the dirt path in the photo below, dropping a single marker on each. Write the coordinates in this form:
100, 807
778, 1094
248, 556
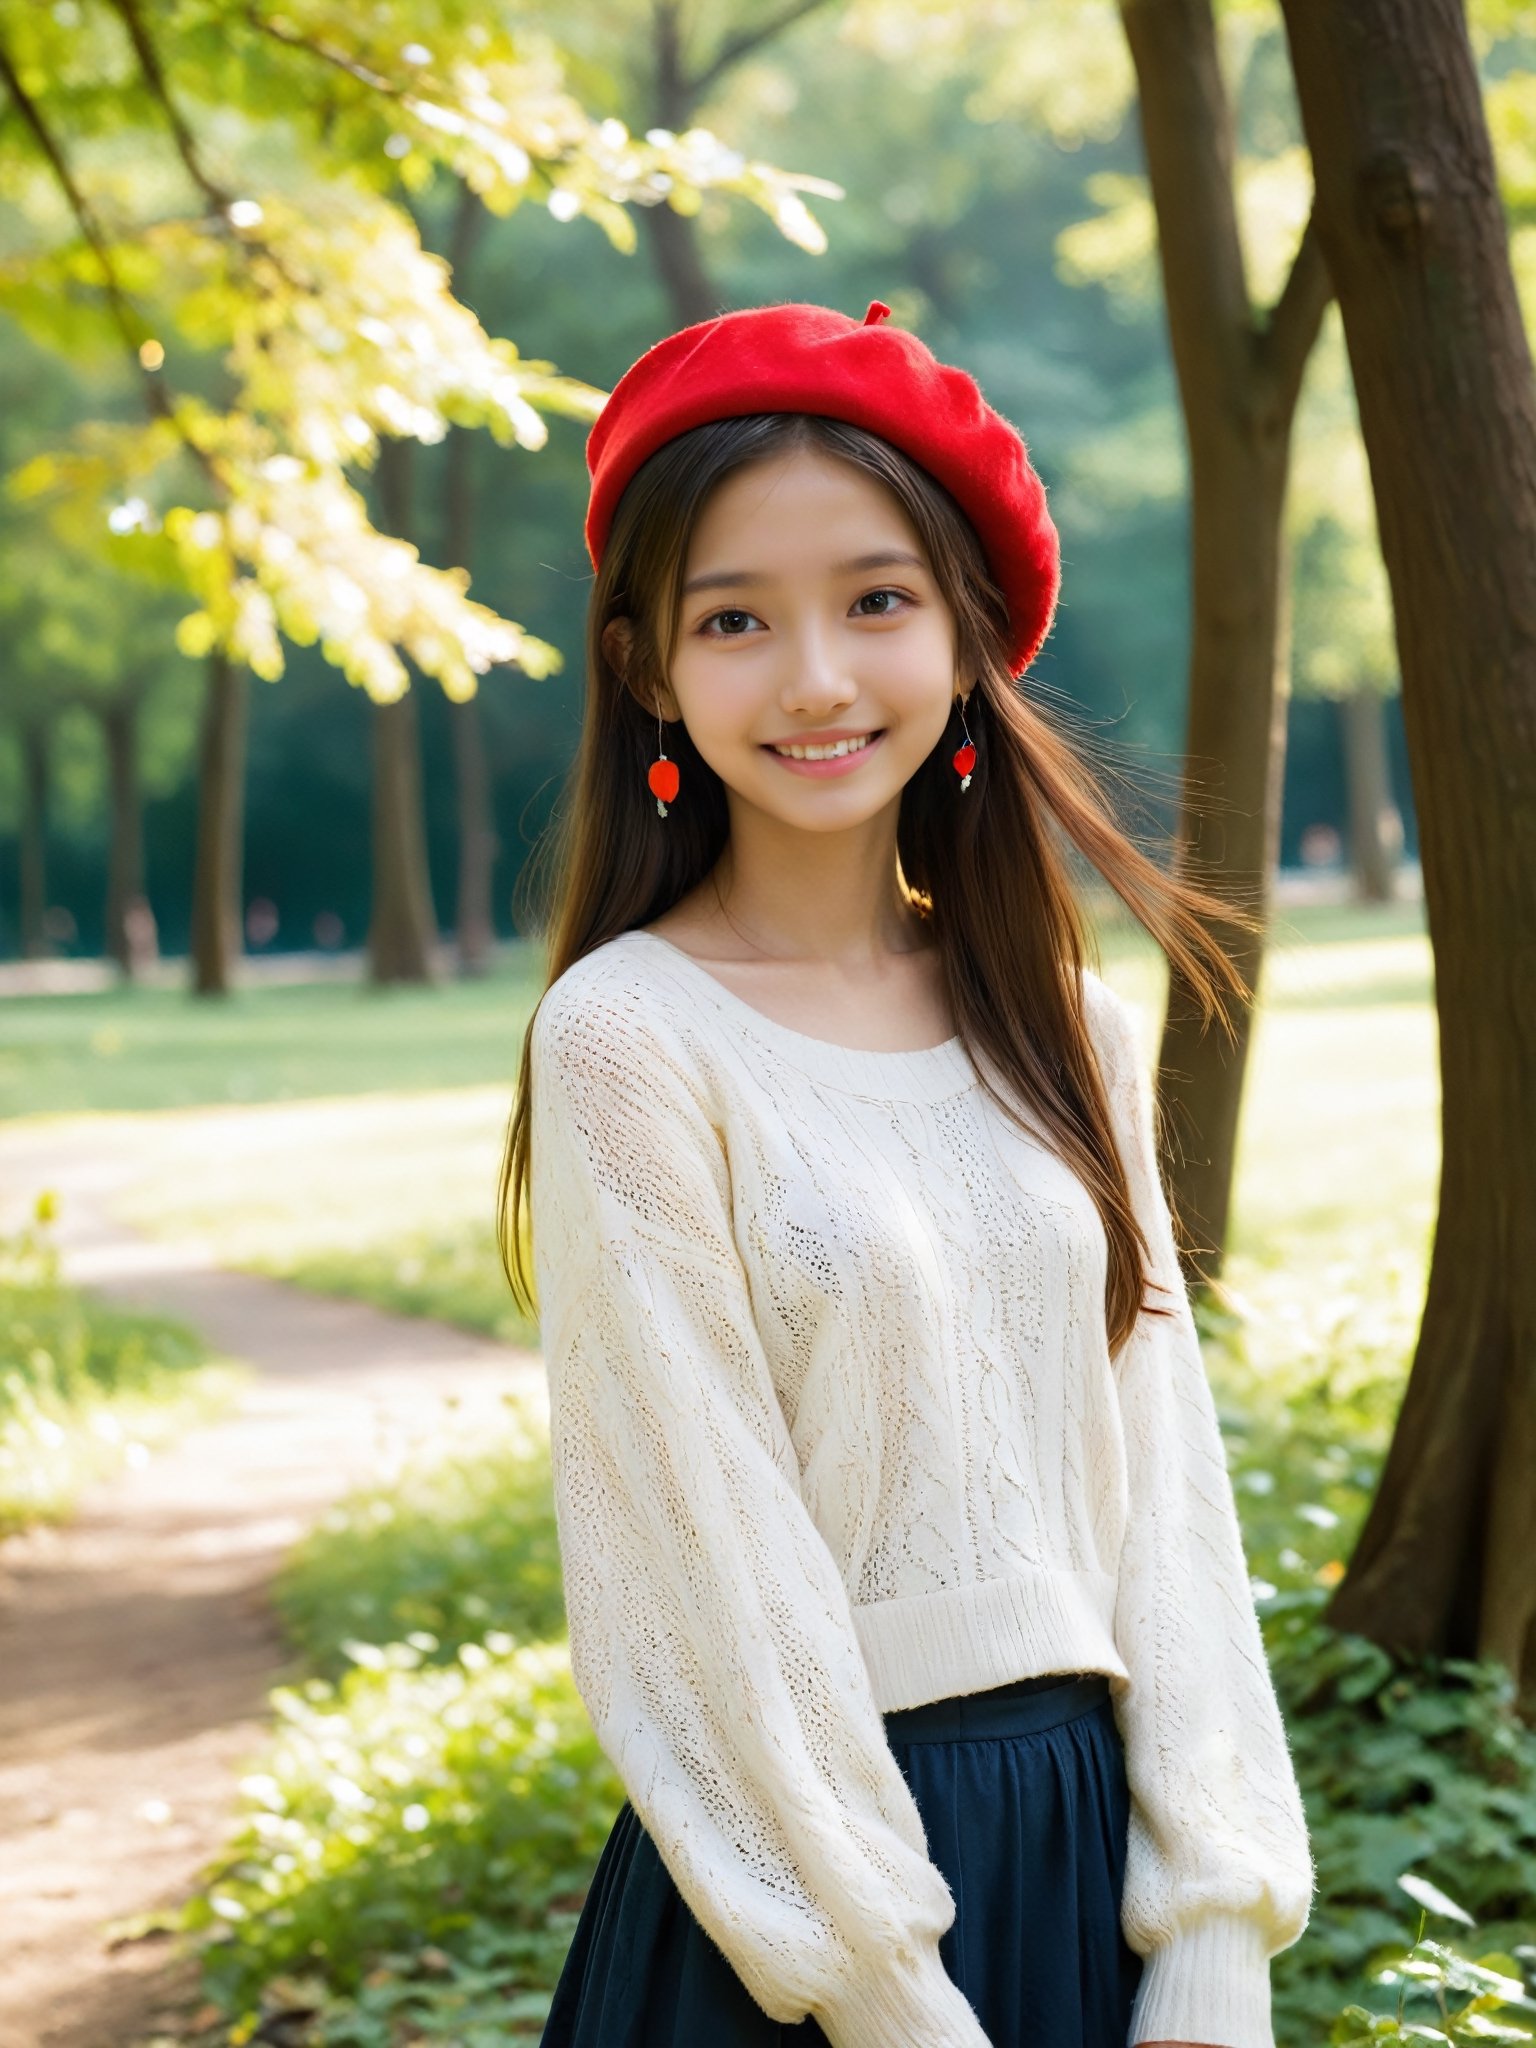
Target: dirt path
138, 1643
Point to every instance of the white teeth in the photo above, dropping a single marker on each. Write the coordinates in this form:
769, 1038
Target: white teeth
828, 753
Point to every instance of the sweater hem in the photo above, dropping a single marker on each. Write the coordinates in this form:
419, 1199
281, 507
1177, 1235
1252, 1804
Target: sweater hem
935, 1646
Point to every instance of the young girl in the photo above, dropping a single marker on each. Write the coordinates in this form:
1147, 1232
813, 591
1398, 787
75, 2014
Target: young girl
905, 1585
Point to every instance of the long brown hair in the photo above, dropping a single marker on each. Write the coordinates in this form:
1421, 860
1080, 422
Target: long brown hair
990, 875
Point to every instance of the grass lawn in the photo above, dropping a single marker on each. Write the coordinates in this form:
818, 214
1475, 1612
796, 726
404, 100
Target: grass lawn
137, 1049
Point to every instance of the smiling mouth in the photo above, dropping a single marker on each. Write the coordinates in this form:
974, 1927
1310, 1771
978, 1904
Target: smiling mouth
837, 750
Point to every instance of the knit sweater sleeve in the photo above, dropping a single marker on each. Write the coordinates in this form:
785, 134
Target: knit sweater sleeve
712, 1641
1219, 1873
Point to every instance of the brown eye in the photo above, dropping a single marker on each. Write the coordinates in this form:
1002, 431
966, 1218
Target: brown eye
731, 614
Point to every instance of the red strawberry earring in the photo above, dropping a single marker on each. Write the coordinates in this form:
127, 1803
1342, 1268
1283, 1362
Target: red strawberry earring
965, 757
662, 773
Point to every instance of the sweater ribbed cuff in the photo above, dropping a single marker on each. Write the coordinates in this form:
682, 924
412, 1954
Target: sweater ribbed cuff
912, 2003
1210, 1984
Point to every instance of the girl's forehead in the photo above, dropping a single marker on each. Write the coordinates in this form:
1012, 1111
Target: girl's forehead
801, 508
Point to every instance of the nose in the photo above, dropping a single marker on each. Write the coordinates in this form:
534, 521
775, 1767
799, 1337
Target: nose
819, 674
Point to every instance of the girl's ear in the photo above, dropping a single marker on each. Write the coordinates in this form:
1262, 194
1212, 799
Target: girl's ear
618, 638
618, 646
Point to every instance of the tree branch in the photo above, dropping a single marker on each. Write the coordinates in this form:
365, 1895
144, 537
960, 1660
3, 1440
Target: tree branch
129, 325
1286, 342
133, 331
1189, 142
149, 64
374, 80
737, 47
219, 200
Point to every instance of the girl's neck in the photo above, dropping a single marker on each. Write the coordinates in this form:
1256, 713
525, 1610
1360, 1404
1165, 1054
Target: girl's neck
701, 928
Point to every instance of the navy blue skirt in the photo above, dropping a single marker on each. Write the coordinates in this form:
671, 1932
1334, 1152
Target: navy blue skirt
1024, 1801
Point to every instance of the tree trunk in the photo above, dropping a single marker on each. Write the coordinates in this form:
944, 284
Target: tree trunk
675, 254
402, 930
1239, 378
1410, 213
1375, 823
478, 844
217, 889
35, 943
677, 90
130, 924
474, 919
673, 236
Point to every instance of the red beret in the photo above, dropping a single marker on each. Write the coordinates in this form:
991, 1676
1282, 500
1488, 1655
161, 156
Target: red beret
797, 358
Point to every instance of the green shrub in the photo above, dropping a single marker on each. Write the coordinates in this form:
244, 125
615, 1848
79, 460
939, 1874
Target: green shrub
438, 1816
1474, 2000
1410, 1774
460, 1540
1416, 1777
82, 1386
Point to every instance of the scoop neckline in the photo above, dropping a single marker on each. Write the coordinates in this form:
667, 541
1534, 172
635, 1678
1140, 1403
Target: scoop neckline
857, 1068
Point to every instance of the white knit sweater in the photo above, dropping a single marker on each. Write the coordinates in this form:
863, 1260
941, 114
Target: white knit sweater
836, 1430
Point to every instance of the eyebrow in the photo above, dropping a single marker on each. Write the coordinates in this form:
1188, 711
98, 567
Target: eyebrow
883, 558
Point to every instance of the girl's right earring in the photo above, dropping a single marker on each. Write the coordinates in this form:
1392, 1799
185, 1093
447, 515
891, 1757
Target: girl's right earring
965, 757
662, 773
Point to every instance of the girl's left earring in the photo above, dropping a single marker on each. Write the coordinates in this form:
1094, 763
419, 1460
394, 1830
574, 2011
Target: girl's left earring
965, 757
661, 776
